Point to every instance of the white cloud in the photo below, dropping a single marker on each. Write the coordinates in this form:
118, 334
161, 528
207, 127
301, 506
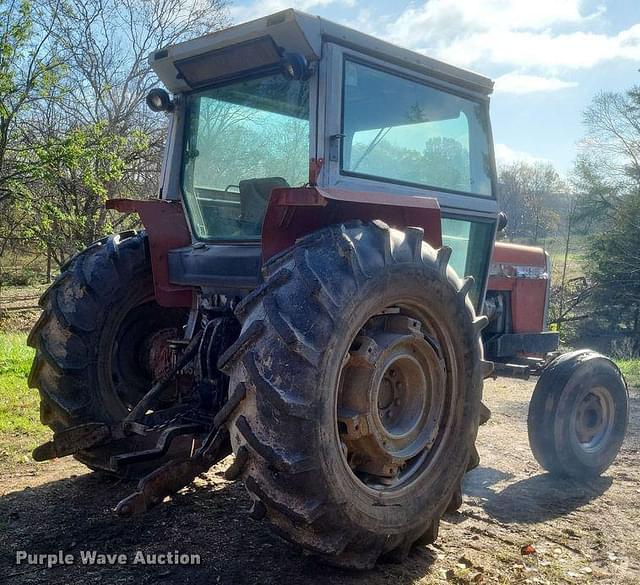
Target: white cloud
545, 33
577, 50
505, 155
520, 83
455, 18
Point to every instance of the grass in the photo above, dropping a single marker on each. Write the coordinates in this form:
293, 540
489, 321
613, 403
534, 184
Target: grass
20, 427
631, 371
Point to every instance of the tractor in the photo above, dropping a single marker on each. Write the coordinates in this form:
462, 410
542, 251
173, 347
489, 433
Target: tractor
308, 295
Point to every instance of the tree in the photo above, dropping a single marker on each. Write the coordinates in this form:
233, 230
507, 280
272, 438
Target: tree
99, 140
29, 69
76, 174
608, 179
533, 197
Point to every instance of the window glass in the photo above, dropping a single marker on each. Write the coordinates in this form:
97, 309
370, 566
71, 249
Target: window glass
405, 131
243, 140
470, 243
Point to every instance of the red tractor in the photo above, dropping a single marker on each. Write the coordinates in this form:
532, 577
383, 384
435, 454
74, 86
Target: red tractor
517, 303
308, 294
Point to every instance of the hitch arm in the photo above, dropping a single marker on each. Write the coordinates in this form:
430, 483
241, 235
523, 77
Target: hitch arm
146, 401
176, 474
77, 438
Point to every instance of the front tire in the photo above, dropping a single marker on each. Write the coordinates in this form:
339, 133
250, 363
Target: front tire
578, 415
336, 314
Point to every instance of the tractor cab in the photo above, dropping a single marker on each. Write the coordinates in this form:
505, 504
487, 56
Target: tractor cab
319, 122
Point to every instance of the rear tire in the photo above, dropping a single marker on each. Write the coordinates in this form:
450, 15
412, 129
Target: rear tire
578, 415
96, 317
298, 339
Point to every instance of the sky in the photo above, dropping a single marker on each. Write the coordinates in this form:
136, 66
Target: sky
548, 58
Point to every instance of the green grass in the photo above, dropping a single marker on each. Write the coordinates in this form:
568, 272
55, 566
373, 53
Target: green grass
631, 371
20, 427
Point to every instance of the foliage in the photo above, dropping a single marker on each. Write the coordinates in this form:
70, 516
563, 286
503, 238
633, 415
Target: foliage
29, 70
77, 172
74, 129
630, 369
608, 179
534, 198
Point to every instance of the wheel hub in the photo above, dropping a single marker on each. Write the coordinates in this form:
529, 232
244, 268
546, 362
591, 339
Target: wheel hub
156, 355
593, 418
391, 399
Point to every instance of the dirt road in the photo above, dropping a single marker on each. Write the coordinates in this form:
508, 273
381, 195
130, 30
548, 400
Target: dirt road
581, 533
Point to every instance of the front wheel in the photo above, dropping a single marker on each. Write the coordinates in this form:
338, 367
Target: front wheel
362, 365
578, 415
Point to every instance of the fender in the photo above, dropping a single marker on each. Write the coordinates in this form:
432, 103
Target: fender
291, 213
166, 227
295, 212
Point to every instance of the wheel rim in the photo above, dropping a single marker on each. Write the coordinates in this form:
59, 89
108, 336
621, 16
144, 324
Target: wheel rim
593, 419
392, 401
140, 352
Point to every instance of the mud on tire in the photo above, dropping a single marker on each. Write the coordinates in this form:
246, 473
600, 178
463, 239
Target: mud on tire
299, 329
95, 318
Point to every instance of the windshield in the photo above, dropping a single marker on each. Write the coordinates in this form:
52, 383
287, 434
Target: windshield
243, 140
404, 131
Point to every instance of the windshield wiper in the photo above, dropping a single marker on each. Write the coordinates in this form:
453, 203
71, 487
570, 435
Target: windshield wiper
377, 139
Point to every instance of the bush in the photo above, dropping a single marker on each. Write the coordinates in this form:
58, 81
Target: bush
22, 278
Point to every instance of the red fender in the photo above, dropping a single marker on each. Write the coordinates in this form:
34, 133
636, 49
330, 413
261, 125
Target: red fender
296, 212
291, 213
166, 228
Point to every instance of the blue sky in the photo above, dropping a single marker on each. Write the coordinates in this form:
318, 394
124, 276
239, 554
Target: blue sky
548, 57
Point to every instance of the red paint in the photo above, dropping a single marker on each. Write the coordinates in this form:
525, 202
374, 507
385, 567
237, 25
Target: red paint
296, 212
166, 228
528, 295
315, 166
516, 254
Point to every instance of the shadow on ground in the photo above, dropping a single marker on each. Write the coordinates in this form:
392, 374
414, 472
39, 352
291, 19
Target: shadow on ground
208, 519
535, 499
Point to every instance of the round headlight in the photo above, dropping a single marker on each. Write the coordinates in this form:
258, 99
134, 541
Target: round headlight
158, 100
295, 66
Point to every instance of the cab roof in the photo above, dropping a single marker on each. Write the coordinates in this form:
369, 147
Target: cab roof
303, 33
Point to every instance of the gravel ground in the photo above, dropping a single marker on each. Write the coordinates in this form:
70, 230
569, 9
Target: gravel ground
579, 533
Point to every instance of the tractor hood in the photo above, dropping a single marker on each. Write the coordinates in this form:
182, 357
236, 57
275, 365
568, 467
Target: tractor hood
248, 48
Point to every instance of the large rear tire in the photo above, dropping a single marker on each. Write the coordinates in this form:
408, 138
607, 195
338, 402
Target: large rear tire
362, 363
99, 342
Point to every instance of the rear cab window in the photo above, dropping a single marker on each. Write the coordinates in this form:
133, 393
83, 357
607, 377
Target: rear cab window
405, 131
422, 137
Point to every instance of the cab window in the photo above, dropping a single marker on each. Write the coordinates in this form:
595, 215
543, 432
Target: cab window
403, 131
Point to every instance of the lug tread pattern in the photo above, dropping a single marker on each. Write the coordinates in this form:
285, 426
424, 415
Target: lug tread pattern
66, 335
280, 359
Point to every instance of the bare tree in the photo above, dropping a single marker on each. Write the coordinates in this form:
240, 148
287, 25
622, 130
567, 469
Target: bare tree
532, 195
99, 140
613, 136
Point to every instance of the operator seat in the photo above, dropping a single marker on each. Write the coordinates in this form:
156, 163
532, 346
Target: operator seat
254, 195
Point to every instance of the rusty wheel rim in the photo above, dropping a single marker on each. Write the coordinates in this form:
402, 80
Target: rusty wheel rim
391, 401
